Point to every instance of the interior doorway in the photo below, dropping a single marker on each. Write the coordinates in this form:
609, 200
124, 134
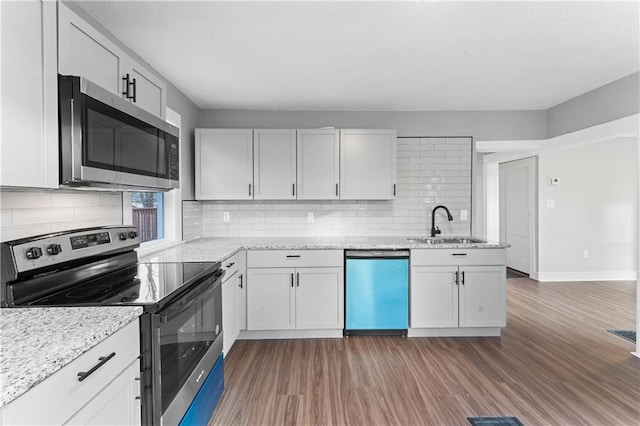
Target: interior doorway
518, 188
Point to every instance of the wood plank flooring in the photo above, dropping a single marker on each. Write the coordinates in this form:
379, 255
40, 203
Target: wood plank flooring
555, 364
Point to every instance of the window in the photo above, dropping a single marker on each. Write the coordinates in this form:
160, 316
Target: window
147, 211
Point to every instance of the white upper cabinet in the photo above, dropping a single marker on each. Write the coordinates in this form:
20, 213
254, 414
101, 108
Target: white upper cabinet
224, 164
274, 164
29, 148
86, 52
367, 164
318, 152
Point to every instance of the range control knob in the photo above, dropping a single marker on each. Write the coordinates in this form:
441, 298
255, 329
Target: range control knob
132, 234
54, 249
122, 236
34, 252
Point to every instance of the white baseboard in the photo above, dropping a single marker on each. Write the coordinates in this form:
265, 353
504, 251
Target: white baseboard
587, 276
454, 332
289, 334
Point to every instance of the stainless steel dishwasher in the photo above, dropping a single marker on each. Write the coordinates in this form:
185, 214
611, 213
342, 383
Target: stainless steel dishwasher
376, 292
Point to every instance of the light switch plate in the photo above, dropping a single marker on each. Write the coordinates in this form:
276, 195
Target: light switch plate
551, 204
554, 181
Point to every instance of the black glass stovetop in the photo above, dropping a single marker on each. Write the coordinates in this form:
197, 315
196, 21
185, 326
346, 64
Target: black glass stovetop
139, 284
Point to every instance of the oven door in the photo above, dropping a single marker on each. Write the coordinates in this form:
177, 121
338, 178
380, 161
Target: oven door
188, 340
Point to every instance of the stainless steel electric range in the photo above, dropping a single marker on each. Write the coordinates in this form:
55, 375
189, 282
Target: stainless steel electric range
181, 327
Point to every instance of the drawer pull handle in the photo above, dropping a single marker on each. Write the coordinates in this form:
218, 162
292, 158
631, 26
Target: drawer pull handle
292, 280
293, 256
462, 277
458, 254
229, 265
103, 360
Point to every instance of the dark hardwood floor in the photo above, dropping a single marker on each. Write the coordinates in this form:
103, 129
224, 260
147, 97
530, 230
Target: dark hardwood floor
555, 364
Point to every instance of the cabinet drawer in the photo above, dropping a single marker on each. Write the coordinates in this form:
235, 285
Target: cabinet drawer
61, 395
443, 257
294, 258
233, 265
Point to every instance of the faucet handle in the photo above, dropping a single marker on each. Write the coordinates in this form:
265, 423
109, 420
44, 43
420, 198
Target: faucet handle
437, 231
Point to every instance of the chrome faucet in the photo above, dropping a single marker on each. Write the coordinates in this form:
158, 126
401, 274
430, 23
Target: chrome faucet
434, 229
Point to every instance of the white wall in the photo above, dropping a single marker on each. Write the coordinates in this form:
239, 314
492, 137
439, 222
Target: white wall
29, 213
431, 171
595, 210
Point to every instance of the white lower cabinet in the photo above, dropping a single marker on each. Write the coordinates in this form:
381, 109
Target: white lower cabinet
233, 299
449, 289
117, 404
306, 295
109, 395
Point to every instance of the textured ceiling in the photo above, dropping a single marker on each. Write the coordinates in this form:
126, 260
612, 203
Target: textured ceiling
402, 56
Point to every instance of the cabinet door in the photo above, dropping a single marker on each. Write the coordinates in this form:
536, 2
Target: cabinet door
483, 296
29, 130
242, 301
318, 152
224, 164
434, 297
319, 298
85, 52
270, 299
150, 90
117, 404
230, 326
367, 164
274, 166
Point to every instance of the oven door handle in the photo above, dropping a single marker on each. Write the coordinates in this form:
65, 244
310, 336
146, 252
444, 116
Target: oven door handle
187, 299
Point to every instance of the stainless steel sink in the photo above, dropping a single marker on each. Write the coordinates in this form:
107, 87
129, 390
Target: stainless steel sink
446, 240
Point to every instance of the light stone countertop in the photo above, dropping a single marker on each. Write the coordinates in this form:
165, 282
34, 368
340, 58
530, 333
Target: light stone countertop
219, 249
37, 342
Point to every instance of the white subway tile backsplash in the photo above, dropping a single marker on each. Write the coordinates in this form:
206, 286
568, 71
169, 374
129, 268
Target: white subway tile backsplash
27, 213
63, 199
37, 216
25, 199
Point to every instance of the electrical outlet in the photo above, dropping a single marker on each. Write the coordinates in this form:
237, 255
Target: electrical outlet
310, 217
585, 254
551, 204
225, 216
464, 215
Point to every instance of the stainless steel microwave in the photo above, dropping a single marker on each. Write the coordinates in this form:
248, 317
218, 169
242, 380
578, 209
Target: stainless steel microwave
106, 141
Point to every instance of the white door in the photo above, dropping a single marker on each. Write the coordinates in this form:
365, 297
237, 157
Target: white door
319, 298
482, 299
516, 212
434, 297
274, 165
224, 164
270, 299
318, 152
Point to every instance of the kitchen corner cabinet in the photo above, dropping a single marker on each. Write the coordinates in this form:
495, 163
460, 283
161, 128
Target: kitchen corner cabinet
224, 164
29, 148
110, 395
86, 52
367, 164
318, 160
458, 288
274, 164
300, 290
234, 299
